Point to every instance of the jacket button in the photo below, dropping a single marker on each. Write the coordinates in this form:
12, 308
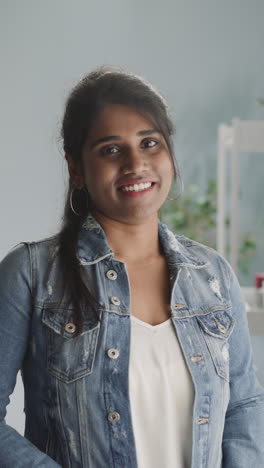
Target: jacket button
113, 417
113, 353
70, 327
221, 327
115, 300
111, 274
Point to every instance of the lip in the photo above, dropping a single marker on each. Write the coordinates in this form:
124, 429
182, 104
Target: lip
135, 181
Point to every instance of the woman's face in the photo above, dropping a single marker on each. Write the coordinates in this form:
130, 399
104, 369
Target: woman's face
126, 166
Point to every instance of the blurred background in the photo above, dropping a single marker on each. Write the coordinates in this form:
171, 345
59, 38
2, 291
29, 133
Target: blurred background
205, 57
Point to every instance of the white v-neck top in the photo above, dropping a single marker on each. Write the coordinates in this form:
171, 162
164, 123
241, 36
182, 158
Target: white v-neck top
161, 396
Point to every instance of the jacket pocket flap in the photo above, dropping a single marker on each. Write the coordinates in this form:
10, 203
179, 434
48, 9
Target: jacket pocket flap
219, 323
60, 319
69, 357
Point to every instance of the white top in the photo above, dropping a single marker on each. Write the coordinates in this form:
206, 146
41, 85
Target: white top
161, 396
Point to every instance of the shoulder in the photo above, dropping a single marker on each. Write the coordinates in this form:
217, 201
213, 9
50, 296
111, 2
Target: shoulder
203, 253
22, 254
45, 242
195, 246
47, 246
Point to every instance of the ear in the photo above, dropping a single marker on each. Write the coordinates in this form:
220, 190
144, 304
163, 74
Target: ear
74, 172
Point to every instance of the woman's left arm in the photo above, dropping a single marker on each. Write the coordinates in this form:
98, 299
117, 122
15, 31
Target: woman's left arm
243, 439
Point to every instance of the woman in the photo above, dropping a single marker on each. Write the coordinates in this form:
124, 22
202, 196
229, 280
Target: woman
133, 342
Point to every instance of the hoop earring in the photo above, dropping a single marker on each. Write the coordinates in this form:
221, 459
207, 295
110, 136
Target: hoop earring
74, 190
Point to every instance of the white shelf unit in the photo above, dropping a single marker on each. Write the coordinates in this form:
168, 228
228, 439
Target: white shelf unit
242, 136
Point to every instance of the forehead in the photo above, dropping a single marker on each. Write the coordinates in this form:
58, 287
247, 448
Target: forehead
119, 120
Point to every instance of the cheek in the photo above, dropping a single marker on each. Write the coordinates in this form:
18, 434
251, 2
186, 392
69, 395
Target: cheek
90, 172
168, 176
168, 168
97, 178
166, 162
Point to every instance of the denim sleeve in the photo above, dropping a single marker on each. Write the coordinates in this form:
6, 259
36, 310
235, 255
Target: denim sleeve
15, 312
243, 439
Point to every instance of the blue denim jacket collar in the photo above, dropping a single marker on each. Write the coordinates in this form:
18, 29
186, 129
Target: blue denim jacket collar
93, 247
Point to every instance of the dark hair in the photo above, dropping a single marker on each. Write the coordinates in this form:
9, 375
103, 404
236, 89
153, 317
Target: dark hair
99, 88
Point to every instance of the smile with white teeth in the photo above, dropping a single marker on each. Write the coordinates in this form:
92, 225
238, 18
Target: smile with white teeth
136, 187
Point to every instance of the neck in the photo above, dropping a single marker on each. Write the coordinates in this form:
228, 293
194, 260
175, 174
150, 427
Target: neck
132, 243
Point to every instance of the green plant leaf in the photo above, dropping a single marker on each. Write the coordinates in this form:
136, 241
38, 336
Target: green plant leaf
194, 215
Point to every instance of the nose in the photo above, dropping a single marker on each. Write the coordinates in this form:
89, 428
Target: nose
135, 161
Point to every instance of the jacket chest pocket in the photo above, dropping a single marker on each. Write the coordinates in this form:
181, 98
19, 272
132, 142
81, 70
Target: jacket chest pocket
216, 328
69, 357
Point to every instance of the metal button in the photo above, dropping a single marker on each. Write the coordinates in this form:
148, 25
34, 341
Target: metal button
113, 417
70, 327
179, 306
113, 353
111, 274
221, 327
115, 300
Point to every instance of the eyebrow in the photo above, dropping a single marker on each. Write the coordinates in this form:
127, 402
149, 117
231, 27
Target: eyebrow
116, 137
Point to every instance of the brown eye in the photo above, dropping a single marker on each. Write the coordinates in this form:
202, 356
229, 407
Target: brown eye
109, 150
149, 143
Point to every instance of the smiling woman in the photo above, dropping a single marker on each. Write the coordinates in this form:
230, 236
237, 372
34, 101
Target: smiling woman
132, 341
125, 167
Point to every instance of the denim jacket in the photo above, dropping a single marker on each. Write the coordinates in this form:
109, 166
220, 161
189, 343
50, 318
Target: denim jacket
77, 404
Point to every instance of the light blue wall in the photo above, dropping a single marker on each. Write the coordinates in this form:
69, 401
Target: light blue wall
205, 56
